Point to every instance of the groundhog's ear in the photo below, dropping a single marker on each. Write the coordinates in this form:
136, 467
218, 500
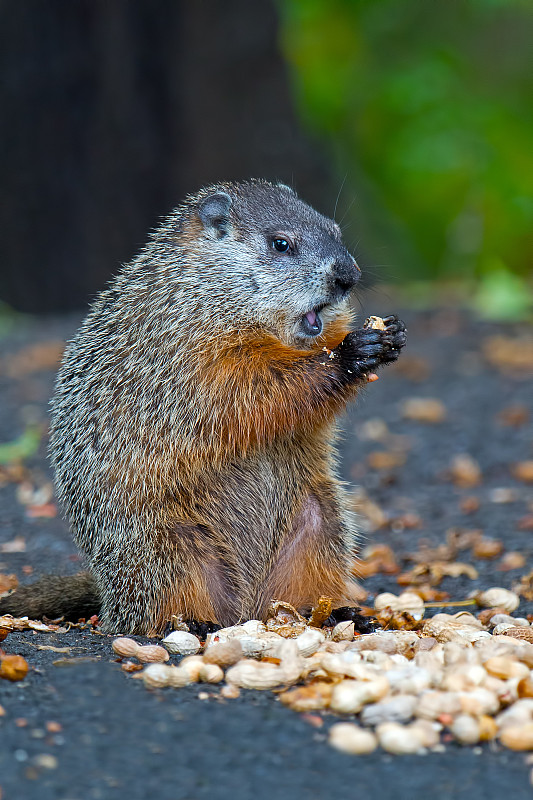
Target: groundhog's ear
214, 212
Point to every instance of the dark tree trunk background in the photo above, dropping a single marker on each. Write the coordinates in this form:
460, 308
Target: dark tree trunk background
112, 110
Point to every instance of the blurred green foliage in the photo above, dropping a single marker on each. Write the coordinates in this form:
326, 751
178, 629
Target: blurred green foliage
428, 110
25, 446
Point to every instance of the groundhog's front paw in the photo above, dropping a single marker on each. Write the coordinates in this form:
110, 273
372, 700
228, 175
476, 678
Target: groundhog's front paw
365, 349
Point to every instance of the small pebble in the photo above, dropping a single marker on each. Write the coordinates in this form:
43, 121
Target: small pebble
230, 691
45, 761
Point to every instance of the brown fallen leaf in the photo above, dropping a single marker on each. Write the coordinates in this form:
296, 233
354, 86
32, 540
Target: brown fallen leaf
511, 355
463, 538
362, 569
469, 505
284, 619
10, 623
419, 584
320, 612
487, 548
311, 719
15, 472
456, 539
456, 569
398, 620
74, 662
525, 523
428, 593
385, 460
514, 415
16, 545
131, 666
7, 583
45, 355
512, 560
13, 668
524, 586
313, 697
47, 510
367, 508
354, 594
376, 558
523, 471
429, 410
407, 521
487, 614
379, 550
435, 571
465, 472
53, 727
425, 554
414, 368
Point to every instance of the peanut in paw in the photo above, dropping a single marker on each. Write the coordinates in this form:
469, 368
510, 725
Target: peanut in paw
375, 322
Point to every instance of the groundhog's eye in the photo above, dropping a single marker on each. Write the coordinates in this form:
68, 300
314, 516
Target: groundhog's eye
281, 245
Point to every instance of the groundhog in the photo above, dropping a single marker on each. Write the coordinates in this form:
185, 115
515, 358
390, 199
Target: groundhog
194, 418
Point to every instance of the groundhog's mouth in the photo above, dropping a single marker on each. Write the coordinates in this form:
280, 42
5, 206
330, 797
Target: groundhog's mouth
311, 323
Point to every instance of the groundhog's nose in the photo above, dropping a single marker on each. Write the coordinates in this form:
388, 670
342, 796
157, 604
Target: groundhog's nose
345, 273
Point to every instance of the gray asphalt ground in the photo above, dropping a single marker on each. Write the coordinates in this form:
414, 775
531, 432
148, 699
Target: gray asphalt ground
114, 739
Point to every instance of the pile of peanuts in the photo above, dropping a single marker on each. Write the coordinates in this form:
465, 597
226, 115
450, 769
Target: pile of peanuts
470, 681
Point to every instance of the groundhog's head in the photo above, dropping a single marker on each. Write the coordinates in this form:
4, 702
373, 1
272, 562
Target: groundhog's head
280, 264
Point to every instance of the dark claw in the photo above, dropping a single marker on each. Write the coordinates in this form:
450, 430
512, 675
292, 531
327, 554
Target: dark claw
389, 356
362, 624
201, 629
393, 323
399, 340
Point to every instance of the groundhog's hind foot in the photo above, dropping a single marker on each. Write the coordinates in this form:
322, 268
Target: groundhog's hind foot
196, 627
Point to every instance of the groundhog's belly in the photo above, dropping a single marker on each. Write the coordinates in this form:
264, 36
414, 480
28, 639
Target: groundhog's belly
253, 501
267, 506
266, 536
